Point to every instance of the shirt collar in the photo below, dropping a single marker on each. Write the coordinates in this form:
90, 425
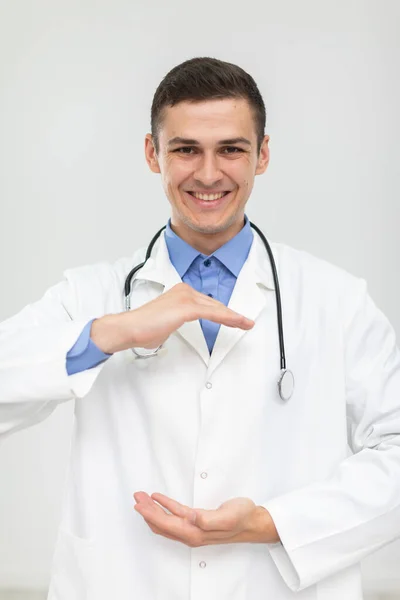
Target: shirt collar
232, 255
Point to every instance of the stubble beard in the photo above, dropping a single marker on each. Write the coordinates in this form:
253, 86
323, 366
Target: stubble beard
209, 229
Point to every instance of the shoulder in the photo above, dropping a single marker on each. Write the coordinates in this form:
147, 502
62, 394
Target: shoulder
299, 264
105, 271
98, 287
319, 282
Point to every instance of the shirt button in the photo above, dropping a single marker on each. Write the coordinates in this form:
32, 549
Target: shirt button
203, 475
211, 296
207, 262
209, 385
202, 564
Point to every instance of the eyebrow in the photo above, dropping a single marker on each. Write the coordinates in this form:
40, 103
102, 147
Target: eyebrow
186, 141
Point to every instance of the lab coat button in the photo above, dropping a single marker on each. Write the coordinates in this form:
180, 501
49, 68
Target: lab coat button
202, 564
209, 385
203, 475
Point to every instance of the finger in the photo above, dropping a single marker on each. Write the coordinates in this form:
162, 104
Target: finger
208, 538
214, 521
216, 311
225, 316
180, 510
191, 537
169, 524
215, 538
144, 498
232, 318
144, 501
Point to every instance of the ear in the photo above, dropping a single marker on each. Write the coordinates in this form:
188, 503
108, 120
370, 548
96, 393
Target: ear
150, 154
263, 157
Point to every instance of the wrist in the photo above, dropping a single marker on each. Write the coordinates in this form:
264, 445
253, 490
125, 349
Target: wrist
264, 527
109, 334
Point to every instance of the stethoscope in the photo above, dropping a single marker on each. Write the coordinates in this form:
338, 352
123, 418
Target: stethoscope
286, 377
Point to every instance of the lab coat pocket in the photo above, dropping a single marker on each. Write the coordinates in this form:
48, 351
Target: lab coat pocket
72, 572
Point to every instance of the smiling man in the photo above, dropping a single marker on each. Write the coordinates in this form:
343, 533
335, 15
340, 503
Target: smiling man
195, 473
208, 153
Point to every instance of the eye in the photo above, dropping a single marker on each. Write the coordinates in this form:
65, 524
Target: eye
183, 150
232, 150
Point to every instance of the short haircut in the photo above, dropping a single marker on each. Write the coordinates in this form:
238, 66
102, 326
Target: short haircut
205, 78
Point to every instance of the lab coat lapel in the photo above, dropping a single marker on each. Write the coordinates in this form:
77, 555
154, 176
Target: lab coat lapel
249, 298
160, 270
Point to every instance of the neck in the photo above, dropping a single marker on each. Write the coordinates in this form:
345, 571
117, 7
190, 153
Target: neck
206, 243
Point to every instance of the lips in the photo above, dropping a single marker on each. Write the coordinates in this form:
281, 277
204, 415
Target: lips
208, 194
208, 204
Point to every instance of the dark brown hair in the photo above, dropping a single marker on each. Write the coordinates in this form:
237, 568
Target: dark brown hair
206, 78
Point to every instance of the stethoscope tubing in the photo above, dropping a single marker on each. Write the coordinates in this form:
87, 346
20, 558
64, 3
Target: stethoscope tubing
284, 371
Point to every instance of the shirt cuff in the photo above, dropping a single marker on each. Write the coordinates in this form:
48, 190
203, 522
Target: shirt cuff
84, 354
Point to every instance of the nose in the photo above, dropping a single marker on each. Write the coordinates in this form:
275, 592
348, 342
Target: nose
208, 171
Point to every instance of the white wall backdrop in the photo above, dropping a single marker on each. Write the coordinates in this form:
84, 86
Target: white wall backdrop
76, 83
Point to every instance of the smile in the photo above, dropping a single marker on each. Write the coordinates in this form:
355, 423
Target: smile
208, 197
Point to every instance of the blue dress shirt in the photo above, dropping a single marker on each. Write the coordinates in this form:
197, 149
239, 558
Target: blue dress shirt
214, 275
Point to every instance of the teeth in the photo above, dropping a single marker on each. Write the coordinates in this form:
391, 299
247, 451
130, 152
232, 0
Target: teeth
208, 197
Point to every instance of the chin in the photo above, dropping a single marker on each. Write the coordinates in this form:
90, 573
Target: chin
209, 227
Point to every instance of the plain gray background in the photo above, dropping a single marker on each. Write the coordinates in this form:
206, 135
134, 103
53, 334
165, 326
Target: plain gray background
76, 84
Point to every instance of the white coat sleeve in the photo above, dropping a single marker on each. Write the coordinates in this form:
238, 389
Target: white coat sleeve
33, 348
333, 524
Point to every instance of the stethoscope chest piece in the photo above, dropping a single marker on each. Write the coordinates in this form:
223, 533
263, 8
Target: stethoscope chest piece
286, 384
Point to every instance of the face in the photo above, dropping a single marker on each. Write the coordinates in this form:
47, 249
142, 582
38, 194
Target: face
208, 159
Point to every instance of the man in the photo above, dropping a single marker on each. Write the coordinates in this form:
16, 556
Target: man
190, 478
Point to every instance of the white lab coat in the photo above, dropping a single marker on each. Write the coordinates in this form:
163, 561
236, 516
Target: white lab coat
155, 425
